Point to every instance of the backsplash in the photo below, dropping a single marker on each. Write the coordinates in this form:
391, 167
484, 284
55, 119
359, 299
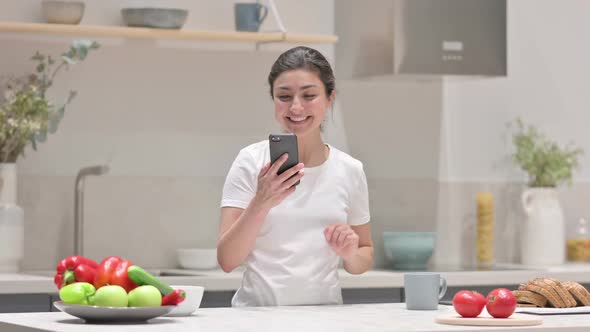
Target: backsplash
457, 218
147, 218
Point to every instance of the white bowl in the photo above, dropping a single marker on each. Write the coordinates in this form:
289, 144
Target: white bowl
62, 12
198, 259
192, 301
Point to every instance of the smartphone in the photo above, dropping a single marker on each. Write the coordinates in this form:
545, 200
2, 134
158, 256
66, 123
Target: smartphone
281, 144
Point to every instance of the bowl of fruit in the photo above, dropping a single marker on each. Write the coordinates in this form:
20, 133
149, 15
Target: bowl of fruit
115, 290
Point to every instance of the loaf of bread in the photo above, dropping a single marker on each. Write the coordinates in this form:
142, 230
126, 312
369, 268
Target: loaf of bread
550, 292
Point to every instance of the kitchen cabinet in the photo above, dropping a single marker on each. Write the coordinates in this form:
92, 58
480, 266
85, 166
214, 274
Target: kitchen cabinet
54, 297
217, 299
11, 303
371, 295
349, 296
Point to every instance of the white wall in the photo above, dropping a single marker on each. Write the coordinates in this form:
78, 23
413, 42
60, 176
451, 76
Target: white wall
547, 85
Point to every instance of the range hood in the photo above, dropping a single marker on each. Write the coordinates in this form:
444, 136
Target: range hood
420, 37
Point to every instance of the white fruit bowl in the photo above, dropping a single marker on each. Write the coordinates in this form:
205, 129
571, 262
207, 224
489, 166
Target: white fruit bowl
192, 301
197, 259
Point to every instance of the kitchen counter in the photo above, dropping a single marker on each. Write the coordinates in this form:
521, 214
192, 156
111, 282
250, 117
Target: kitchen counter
360, 317
217, 280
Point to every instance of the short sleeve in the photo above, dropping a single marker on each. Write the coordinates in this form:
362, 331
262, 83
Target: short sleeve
241, 182
358, 212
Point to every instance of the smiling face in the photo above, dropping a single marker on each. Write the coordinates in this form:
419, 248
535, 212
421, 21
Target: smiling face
300, 101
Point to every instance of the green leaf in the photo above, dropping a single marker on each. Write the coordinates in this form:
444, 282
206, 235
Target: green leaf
68, 60
59, 114
41, 136
55, 120
82, 53
81, 47
82, 44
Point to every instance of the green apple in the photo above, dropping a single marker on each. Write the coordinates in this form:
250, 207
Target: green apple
145, 296
111, 296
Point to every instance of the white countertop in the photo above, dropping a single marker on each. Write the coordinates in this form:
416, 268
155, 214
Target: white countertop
217, 280
354, 318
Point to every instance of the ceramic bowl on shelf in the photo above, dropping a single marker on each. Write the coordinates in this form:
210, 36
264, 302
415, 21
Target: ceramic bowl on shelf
161, 18
197, 259
62, 12
408, 250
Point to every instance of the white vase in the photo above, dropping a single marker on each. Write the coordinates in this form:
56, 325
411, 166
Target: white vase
11, 221
543, 232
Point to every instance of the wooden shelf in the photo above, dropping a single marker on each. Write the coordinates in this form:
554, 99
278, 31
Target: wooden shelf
149, 33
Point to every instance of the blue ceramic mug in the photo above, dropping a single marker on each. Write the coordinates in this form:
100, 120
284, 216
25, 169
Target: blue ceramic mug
249, 16
423, 290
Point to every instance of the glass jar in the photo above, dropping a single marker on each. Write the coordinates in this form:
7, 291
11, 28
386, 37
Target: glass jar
578, 243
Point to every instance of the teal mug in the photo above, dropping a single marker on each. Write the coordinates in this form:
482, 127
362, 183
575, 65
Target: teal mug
249, 16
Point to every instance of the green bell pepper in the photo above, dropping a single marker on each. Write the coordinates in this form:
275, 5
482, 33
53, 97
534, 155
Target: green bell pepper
78, 293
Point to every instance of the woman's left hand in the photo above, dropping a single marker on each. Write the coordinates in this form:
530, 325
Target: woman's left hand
342, 239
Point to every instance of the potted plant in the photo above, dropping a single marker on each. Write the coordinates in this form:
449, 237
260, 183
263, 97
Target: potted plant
28, 116
548, 165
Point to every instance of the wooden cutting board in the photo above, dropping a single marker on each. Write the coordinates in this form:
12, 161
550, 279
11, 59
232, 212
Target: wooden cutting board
484, 320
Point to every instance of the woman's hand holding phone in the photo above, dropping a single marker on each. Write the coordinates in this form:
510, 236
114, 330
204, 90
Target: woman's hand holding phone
274, 188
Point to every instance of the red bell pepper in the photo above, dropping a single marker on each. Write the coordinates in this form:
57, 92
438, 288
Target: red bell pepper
113, 271
75, 269
174, 298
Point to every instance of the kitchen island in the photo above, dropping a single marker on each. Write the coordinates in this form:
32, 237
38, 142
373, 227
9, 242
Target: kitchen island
354, 318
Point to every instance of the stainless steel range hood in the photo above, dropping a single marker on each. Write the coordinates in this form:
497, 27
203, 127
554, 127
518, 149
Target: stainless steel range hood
420, 37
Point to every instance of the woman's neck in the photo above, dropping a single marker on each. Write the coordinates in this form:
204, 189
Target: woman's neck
312, 150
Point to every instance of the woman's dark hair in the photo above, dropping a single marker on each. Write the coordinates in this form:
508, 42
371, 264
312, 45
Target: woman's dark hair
302, 57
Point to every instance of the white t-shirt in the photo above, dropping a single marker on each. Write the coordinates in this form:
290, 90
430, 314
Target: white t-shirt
292, 263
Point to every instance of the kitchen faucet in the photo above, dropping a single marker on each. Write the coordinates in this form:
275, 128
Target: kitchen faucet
79, 205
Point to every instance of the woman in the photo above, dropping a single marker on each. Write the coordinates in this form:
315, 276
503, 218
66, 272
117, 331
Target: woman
291, 238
